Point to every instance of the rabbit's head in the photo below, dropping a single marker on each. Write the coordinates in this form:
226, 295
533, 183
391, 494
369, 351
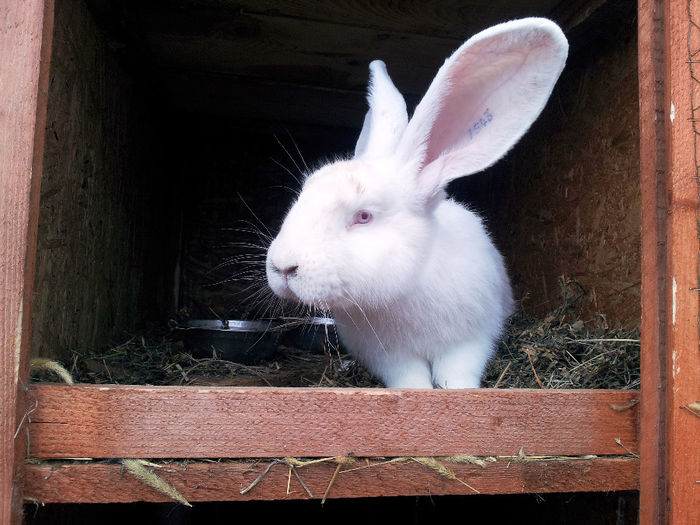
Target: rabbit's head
361, 227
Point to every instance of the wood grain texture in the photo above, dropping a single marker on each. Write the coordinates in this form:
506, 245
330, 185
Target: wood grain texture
295, 51
451, 19
25, 38
682, 297
223, 481
230, 55
102, 252
585, 228
652, 124
181, 422
314, 53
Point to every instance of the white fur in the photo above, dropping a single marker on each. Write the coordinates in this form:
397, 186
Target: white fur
420, 293
384, 125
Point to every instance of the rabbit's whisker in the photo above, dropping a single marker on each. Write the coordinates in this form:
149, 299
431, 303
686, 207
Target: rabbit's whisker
296, 146
349, 296
285, 168
289, 155
267, 231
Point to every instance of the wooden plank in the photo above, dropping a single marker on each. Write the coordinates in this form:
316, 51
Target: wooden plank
225, 53
452, 19
654, 287
189, 422
682, 297
25, 46
225, 96
224, 481
329, 43
574, 12
456, 19
289, 50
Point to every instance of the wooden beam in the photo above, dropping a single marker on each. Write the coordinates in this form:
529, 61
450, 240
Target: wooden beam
224, 481
457, 19
25, 41
652, 123
275, 52
229, 96
288, 50
189, 422
683, 246
669, 43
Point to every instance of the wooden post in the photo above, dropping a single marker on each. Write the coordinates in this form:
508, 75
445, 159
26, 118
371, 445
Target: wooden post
25, 47
654, 287
669, 44
682, 300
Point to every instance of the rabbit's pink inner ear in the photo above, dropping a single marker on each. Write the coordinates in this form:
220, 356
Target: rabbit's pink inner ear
478, 95
483, 100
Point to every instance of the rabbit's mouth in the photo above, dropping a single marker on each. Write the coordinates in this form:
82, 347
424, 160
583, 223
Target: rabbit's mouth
309, 294
289, 285
307, 281
279, 284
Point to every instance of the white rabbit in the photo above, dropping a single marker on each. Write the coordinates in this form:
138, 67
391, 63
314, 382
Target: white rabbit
418, 290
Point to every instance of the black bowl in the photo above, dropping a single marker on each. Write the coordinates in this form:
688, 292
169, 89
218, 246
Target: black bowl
235, 340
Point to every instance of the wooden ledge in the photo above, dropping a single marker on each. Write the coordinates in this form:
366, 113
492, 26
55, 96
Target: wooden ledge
98, 421
58, 482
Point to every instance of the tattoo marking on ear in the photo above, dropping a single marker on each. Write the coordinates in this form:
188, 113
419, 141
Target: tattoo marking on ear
483, 121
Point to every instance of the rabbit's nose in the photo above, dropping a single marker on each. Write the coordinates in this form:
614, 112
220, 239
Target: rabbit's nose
289, 271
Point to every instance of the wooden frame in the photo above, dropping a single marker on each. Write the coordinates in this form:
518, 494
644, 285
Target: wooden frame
533, 436
25, 41
110, 422
189, 422
670, 464
224, 480
652, 172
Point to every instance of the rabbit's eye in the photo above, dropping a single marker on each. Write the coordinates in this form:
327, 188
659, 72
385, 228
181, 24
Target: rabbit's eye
362, 217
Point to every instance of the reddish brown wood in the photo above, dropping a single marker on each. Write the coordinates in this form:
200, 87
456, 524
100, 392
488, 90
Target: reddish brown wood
188, 422
25, 38
654, 287
223, 481
683, 355
669, 40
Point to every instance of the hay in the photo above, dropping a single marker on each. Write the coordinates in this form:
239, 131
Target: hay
435, 464
442, 466
41, 363
442, 470
559, 351
693, 408
158, 358
142, 470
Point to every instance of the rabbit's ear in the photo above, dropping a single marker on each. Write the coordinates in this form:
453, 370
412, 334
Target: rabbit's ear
482, 100
386, 119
